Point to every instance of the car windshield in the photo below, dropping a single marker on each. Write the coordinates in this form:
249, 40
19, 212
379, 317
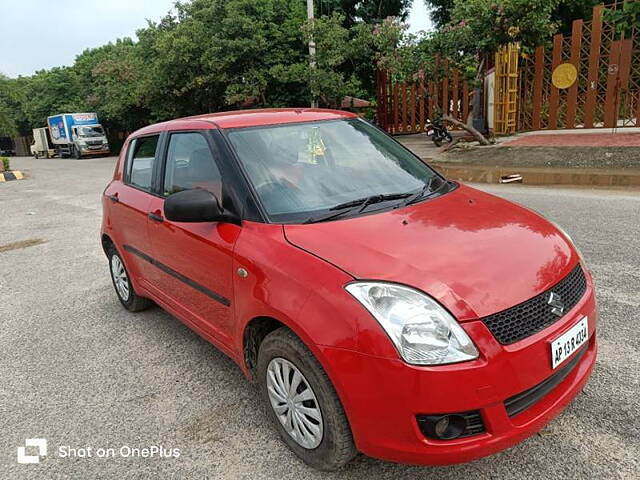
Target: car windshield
90, 131
304, 170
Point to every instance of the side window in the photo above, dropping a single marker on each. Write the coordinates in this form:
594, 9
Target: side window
142, 156
190, 164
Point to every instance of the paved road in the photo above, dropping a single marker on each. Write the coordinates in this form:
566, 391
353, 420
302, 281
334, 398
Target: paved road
77, 369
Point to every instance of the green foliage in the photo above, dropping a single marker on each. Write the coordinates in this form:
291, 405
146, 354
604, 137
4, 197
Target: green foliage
6, 164
340, 51
209, 55
363, 11
562, 16
108, 82
488, 24
570, 10
7, 124
213, 55
9, 98
440, 11
625, 19
474, 29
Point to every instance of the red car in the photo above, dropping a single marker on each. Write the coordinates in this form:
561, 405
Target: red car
380, 307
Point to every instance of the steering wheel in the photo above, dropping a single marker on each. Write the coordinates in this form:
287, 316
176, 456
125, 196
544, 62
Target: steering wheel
280, 194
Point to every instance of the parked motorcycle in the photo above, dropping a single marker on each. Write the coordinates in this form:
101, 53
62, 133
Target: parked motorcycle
438, 134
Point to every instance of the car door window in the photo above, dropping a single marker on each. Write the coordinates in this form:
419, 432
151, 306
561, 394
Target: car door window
190, 164
143, 154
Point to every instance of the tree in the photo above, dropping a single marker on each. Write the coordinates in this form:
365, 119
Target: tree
217, 53
8, 125
340, 52
51, 91
440, 11
563, 13
109, 78
363, 11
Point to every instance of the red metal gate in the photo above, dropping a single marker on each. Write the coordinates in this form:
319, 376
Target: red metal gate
406, 107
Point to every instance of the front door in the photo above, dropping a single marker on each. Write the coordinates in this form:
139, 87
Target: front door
194, 261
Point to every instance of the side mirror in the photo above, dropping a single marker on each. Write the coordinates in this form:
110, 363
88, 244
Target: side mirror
195, 205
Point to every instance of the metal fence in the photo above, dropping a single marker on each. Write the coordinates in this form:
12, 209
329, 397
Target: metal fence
407, 107
606, 92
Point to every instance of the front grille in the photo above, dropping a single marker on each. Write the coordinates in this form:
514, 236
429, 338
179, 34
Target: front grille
519, 403
474, 424
536, 314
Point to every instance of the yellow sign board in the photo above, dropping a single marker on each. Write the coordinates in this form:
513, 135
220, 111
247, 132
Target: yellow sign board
564, 75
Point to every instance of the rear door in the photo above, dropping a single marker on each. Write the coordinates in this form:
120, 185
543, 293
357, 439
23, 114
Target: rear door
194, 260
130, 201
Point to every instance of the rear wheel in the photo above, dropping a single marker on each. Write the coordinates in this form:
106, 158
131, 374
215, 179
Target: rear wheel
122, 284
302, 403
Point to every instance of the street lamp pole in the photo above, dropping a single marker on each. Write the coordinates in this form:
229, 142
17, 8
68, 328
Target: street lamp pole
312, 48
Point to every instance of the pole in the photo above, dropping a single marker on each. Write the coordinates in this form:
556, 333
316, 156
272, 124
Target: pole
312, 49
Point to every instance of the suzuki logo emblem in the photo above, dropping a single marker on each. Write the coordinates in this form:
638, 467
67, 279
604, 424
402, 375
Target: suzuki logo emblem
557, 305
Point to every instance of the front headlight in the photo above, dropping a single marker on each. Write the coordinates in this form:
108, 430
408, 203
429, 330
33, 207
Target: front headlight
423, 332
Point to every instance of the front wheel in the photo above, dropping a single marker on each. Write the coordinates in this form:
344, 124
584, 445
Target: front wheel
302, 403
77, 154
122, 284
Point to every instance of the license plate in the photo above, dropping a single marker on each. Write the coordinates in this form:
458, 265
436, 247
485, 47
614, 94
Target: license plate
570, 341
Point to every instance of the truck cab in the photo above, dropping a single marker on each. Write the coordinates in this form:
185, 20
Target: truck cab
89, 140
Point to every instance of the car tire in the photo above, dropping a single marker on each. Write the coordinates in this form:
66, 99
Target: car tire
122, 284
336, 446
77, 154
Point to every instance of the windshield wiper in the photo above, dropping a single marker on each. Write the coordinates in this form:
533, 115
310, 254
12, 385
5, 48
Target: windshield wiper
370, 200
360, 203
424, 190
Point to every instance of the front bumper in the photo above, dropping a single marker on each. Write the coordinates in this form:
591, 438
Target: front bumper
382, 396
91, 151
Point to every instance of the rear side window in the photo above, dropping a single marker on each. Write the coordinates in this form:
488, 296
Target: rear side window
142, 156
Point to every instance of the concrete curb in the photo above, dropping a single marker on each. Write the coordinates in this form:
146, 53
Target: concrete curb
541, 176
11, 175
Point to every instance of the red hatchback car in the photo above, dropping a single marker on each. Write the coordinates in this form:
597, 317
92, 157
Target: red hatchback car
380, 307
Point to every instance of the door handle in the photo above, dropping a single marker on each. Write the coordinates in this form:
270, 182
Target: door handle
155, 217
114, 198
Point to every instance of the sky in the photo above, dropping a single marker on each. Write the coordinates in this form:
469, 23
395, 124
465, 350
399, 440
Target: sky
40, 34
419, 17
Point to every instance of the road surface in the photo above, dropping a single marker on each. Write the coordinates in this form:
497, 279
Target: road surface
80, 371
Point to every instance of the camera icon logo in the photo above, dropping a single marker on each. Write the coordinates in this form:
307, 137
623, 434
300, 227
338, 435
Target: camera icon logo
39, 443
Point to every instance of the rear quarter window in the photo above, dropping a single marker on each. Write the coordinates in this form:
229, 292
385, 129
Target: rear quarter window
141, 157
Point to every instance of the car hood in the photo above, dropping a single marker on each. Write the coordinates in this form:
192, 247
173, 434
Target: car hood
475, 253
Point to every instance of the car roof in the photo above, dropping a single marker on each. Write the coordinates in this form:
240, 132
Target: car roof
248, 118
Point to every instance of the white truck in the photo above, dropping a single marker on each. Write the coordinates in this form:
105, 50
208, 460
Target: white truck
41, 146
77, 135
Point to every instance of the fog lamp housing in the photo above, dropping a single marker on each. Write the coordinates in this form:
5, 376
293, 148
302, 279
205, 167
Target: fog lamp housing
451, 426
